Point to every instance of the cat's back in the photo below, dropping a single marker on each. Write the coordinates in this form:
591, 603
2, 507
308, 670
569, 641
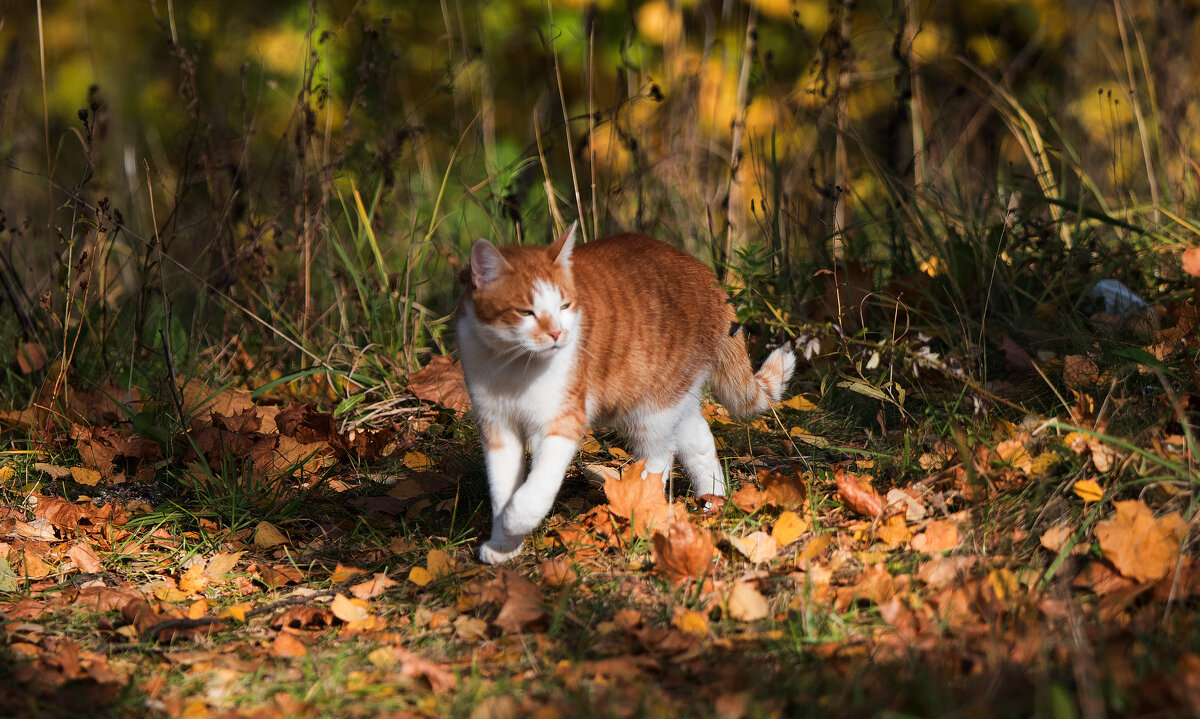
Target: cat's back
653, 316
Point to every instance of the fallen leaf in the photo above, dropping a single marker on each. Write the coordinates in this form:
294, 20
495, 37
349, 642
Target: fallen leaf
940, 570
758, 547
1056, 537
1080, 371
1191, 261
441, 382
85, 558
83, 475
788, 528
221, 564
417, 460
302, 617
692, 622
783, 489
1088, 490
639, 500
521, 602
419, 576
373, 587
748, 498
267, 535
236, 611
557, 572
857, 494
1140, 546
349, 610
798, 402
341, 573
31, 357
681, 551
54, 471
1013, 453
470, 628
438, 563
34, 567
893, 532
193, 579
746, 604
939, 536
288, 646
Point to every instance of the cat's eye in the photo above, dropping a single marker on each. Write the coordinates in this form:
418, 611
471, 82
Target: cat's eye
525, 313
565, 306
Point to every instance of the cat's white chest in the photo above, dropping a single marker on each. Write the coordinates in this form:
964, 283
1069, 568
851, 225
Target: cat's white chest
515, 389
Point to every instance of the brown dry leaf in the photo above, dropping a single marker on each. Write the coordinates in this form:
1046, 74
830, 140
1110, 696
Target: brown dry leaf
1079, 371
939, 536
438, 563
349, 610
441, 382
690, 622
85, 558
940, 570
34, 567
54, 471
746, 604
267, 535
639, 500
1056, 537
783, 489
373, 587
788, 528
758, 547
557, 572
748, 498
59, 512
31, 357
221, 563
1140, 546
470, 628
202, 400
1191, 261
288, 646
302, 617
682, 551
1016, 359
858, 495
521, 601
875, 585
411, 665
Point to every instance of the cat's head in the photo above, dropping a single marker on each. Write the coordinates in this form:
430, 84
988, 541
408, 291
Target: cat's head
523, 298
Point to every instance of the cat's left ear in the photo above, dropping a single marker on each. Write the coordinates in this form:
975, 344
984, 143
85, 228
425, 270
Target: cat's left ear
561, 249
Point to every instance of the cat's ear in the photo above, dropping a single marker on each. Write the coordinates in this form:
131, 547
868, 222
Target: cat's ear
486, 263
561, 249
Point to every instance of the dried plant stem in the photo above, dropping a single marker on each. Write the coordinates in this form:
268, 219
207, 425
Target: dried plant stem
735, 206
45, 111
1143, 132
917, 102
562, 100
841, 153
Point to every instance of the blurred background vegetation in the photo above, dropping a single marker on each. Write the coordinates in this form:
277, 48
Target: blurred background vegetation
256, 188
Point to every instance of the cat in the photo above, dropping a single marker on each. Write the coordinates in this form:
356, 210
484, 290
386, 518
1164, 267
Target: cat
624, 331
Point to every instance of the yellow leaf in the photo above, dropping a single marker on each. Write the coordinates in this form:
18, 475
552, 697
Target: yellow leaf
788, 528
341, 573
807, 437
1088, 490
1141, 546
6, 473
799, 402
618, 453
197, 609
221, 564
237, 612
691, 622
267, 535
83, 475
590, 445
894, 531
383, 658
419, 576
167, 593
416, 460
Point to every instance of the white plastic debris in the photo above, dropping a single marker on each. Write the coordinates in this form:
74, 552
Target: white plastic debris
1117, 297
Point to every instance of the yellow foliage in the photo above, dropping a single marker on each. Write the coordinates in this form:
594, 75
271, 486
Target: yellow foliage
658, 23
988, 50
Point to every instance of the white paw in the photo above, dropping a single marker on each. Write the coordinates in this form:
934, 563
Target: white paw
493, 553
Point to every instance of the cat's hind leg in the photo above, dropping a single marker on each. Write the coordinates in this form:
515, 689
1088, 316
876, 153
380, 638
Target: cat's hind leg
698, 451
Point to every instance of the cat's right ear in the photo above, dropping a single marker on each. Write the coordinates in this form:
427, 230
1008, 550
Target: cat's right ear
486, 263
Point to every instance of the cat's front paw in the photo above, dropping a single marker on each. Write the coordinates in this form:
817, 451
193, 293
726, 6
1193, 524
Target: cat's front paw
493, 552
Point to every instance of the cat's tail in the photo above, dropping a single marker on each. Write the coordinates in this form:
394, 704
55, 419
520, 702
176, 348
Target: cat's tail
736, 385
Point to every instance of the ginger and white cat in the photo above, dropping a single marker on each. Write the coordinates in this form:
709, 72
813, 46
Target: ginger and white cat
624, 331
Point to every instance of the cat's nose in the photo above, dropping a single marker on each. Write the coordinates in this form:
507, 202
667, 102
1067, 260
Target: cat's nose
554, 334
